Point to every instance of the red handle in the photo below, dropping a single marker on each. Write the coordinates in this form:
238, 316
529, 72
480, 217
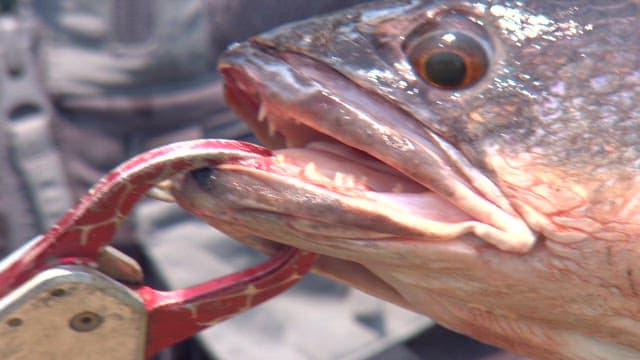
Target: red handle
86, 229
176, 315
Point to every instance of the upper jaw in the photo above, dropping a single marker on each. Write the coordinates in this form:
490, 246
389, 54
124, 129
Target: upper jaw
290, 100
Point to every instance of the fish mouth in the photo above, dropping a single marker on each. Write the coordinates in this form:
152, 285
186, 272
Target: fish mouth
388, 174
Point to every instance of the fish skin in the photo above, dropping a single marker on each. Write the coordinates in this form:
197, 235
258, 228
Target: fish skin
552, 124
560, 87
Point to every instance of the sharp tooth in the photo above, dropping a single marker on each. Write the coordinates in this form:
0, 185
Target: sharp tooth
241, 85
262, 112
310, 171
350, 181
272, 128
344, 180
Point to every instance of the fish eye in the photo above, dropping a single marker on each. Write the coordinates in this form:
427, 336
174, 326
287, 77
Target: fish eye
448, 60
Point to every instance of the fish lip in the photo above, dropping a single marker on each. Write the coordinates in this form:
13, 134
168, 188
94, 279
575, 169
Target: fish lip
258, 78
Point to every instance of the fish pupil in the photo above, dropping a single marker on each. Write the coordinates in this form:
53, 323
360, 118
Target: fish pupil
446, 69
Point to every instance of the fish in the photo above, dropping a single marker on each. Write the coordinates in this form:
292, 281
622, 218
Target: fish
477, 162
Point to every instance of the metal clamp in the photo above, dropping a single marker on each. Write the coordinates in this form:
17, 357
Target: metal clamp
72, 312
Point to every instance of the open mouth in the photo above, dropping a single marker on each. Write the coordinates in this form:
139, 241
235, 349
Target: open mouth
331, 134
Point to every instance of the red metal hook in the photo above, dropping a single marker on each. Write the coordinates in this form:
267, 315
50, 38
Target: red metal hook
81, 235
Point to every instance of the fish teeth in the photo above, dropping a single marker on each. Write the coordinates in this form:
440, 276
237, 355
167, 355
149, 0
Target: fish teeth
344, 180
262, 112
279, 159
272, 128
310, 171
340, 180
350, 181
243, 87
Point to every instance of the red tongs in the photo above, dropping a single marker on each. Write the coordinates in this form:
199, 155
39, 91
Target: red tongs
59, 297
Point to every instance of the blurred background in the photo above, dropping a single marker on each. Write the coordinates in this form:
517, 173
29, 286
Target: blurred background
106, 80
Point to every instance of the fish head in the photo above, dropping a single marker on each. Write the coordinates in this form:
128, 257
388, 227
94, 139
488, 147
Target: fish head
475, 161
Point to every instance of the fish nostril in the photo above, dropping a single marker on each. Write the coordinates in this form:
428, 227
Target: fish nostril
204, 177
